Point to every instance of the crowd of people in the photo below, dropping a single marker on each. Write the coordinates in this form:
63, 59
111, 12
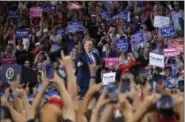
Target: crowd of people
95, 61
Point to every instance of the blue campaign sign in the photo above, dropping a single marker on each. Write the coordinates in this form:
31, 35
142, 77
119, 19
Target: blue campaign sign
115, 17
168, 32
137, 38
122, 44
60, 31
75, 26
51, 9
124, 15
13, 14
75, 23
105, 15
21, 33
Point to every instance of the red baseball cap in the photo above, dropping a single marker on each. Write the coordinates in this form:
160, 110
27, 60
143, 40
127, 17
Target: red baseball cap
55, 100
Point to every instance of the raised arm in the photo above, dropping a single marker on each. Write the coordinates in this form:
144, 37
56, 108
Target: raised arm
68, 111
71, 79
36, 102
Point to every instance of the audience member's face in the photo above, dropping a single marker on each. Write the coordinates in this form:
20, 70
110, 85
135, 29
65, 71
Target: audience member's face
88, 46
168, 72
21, 48
9, 49
55, 64
75, 38
27, 64
39, 66
129, 30
160, 45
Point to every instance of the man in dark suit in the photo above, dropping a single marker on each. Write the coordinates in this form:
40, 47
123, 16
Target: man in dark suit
83, 61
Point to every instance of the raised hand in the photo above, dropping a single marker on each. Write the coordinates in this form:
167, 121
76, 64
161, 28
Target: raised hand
66, 60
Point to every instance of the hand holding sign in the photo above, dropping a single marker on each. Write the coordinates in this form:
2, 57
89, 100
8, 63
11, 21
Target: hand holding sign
108, 78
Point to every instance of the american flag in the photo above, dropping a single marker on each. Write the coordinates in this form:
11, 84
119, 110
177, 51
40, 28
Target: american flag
74, 6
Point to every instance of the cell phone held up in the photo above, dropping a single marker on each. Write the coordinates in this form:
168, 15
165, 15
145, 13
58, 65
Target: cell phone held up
125, 85
50, 71
113, 92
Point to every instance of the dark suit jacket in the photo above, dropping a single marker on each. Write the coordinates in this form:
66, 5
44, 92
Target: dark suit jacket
83, 72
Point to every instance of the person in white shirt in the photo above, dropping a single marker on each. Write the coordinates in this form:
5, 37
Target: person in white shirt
55, 44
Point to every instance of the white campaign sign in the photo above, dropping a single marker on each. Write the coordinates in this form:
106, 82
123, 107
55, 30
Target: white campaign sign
108, 78
161, 21
156, 60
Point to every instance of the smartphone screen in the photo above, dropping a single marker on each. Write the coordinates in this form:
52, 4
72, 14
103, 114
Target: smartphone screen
112, 92
181, 86
125, 85
62, 72
50, 71
11, 96
102, 89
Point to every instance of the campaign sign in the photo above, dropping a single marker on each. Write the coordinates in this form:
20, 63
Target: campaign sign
177, 44
13, 14
36, 12
168, 32
105, 15
161, 21
60, 31
21, 33
51, 9
122, 44
124, 15
111, 62
75, 26
75, 23
108, 78
156, 60
137, 38
171, 52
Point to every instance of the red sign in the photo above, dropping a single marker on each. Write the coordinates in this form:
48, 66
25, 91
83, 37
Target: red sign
177, 44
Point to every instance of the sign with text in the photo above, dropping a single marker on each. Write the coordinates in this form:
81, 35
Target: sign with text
75, 26
36, 12
156, 60
122, 44
60, 31
171, 52
51, 9
105, 15
21, 33
177, 44
168, 32
161, 21
108, 78
111, 62
13, 14
124, 15
137, 38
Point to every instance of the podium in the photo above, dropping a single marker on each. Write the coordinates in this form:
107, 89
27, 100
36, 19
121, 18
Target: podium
10, 72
